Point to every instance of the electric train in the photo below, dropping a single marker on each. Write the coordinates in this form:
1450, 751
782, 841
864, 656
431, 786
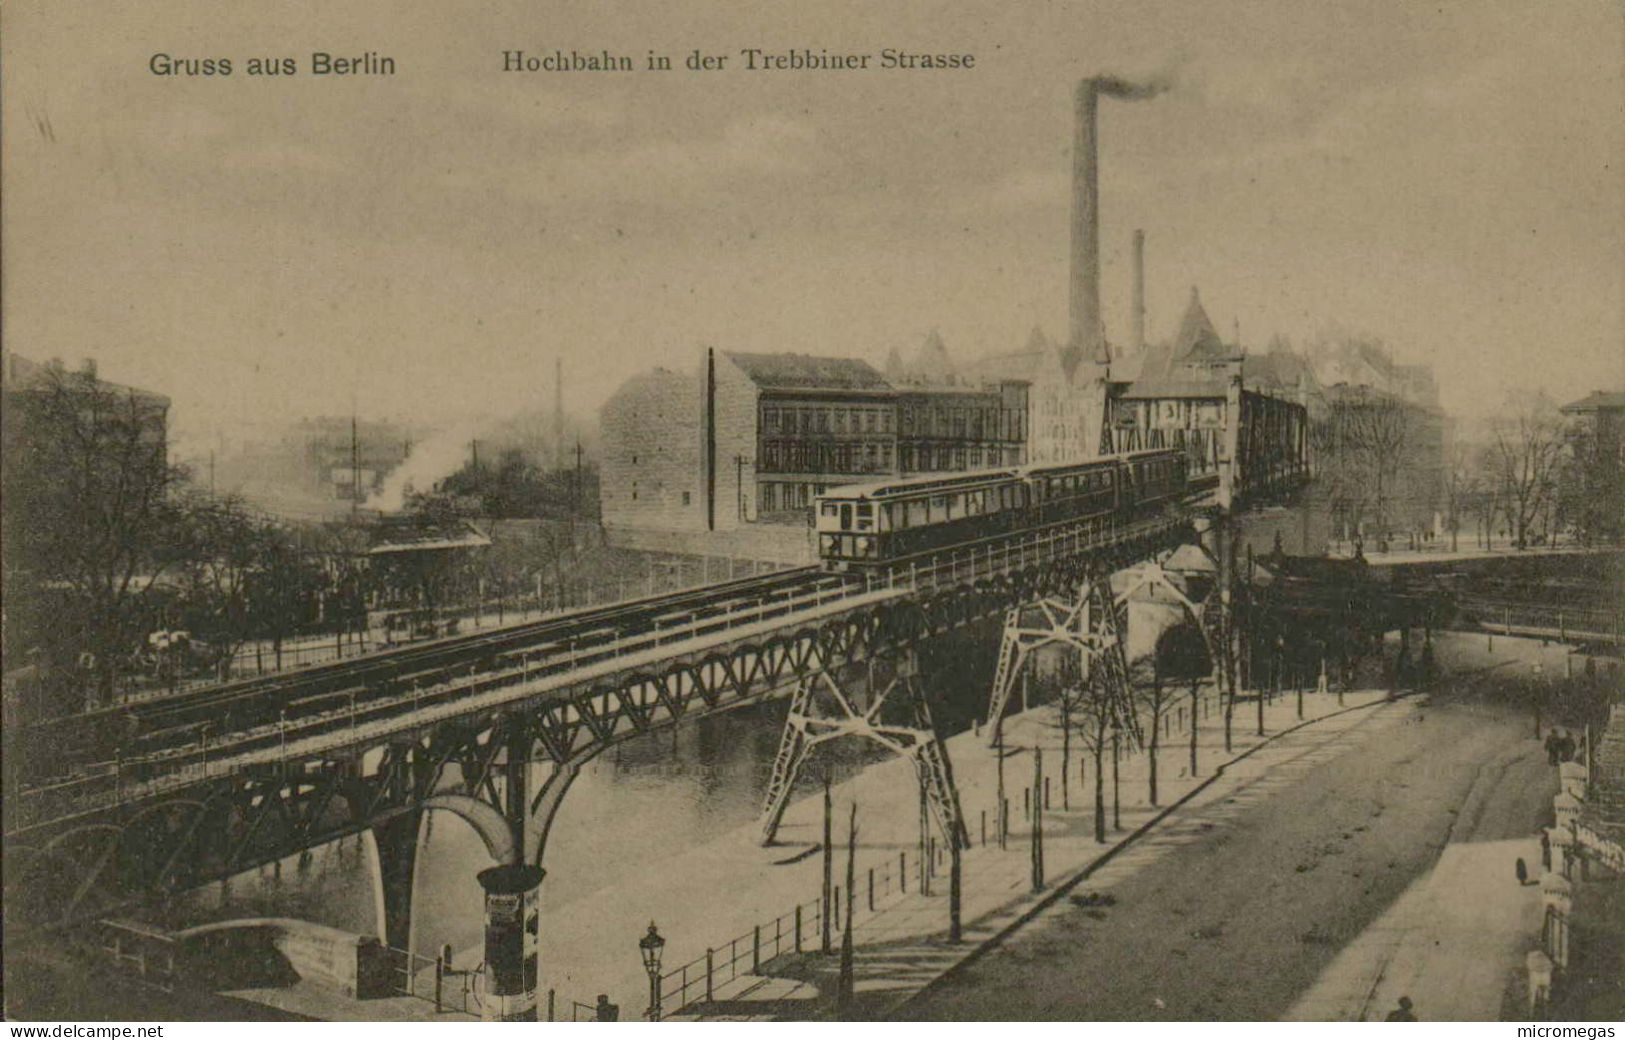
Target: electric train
861, 526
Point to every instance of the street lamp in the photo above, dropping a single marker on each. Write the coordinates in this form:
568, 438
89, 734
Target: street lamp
651, 946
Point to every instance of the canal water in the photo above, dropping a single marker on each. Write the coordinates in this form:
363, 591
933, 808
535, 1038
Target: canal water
637, 804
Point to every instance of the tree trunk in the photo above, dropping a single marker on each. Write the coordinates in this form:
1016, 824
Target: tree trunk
1100, 783
1196, 697
1156, 730
1117, 801
1066, 754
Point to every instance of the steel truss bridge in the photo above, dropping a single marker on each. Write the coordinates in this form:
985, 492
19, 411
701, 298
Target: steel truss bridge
495, 727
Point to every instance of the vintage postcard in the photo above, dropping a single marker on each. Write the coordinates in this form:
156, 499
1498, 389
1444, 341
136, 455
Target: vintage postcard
701, 512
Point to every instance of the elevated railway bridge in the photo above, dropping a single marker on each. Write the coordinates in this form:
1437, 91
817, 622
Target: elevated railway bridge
495, 726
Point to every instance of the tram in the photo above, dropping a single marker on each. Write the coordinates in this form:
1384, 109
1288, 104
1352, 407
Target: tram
862, 526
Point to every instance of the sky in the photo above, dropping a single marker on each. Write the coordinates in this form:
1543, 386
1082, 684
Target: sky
1444, 176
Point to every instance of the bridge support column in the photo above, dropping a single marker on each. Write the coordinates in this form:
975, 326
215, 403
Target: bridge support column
396, 844
821, 710
1088, 624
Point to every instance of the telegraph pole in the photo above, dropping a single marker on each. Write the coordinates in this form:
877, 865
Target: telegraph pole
1038, 819
576, 490
845, 989
355, 465
826, 911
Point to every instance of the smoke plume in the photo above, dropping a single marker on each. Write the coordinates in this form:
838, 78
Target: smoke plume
433, 459
1129, 90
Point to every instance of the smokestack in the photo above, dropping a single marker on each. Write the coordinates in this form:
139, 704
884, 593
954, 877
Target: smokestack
1137, 337
1086, 331
558, 412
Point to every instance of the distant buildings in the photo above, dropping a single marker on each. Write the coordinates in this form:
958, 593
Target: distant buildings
1066, 397
1601, 416
754, 437
35, 393
1595, 482
343, 459
1182, 395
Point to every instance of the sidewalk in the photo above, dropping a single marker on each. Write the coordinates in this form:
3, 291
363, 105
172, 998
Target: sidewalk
901, 946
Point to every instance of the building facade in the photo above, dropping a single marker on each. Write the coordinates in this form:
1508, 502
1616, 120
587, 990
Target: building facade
754, 437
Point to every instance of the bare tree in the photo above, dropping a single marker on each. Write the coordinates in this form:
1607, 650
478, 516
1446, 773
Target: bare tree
222, 548
1154, 701
1461, 483
1525, 454
90, 523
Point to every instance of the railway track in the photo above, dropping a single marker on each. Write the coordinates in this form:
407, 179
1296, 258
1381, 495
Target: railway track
151, 727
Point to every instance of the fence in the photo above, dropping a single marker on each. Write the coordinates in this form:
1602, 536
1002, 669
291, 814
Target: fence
795, 932
428, 978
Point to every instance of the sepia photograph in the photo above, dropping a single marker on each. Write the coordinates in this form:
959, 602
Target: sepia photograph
907, 512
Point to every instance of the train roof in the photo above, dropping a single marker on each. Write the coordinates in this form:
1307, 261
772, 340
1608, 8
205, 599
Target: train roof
912, 485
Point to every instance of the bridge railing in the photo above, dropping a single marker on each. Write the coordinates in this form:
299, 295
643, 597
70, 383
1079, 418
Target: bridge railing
142, 777
1509, 617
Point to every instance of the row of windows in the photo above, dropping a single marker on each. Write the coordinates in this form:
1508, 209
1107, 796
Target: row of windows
777, 497
942, 421
925, 458
826, 457
826, 420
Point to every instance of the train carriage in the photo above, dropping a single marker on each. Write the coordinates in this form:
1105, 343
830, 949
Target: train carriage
868, 523
1072, 490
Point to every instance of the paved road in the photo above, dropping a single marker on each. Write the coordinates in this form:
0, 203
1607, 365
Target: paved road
1246, 919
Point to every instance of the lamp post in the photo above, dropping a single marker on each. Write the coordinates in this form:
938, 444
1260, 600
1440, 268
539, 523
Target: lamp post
1539, 692
651, 946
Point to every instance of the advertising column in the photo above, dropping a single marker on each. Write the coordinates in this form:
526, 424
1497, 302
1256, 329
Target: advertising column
512, 928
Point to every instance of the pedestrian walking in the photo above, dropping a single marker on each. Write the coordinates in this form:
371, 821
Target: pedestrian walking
1523, 872
605, 1011
1545, 851
1403, 1012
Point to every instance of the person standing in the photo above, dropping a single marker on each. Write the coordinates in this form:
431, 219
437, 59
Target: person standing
1403, 1012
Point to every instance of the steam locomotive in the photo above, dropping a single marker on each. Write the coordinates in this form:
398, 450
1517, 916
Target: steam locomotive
863, 526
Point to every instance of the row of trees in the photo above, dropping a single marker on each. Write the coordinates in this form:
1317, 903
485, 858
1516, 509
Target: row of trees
1532, 475
107, 543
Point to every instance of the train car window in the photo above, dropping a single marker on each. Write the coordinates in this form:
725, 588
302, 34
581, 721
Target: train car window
829, 509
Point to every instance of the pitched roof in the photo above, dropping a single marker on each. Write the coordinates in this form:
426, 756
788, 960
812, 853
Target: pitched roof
1196, 339
931, 362
1277, 370
417, 533
1597, 401
805, 372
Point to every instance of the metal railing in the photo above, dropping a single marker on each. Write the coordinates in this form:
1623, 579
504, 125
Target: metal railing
112, 783
798, 931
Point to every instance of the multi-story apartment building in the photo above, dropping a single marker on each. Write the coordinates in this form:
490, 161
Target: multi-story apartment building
754, 437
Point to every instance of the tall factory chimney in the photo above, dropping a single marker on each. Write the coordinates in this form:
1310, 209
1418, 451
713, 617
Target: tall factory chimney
558, 413
1137, 328
1086, 330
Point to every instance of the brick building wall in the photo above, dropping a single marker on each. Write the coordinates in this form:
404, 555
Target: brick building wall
652, 466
